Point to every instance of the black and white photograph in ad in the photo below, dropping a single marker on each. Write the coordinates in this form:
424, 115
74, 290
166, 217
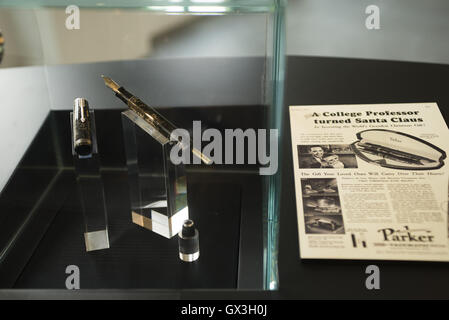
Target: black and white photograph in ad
321, 205
397, 150
326, 156
324, 224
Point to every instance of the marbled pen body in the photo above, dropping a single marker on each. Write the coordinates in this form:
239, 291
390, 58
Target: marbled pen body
82, 134
149, 114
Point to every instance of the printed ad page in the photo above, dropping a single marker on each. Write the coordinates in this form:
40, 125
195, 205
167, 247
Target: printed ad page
371, 181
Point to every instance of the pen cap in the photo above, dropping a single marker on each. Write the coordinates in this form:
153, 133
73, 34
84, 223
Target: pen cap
81, 109
82, 135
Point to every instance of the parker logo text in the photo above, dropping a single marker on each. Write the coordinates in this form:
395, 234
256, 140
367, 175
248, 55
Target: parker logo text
406, 235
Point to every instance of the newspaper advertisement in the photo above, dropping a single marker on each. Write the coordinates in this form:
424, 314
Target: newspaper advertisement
371, 181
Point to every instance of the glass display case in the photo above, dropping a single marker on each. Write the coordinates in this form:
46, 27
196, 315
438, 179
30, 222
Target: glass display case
213, 68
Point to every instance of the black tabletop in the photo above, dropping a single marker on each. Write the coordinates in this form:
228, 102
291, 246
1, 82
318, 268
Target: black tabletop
316, 81
320, 81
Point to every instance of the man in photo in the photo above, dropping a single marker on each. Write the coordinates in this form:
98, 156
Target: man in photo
316, 160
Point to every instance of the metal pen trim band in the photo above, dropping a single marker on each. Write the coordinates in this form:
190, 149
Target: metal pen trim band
189, 257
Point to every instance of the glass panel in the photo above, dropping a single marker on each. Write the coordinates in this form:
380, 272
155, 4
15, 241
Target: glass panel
220, 62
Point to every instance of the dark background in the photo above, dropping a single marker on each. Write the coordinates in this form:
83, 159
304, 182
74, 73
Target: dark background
221, 202
319, 81
313, 81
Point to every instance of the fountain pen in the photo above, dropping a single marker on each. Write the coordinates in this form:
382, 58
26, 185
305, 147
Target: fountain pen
148, 114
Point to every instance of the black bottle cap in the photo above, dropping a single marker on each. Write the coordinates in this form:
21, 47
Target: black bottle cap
188, 229
189, 244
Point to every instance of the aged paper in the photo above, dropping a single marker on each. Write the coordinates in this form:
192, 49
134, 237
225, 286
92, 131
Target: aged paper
371, 181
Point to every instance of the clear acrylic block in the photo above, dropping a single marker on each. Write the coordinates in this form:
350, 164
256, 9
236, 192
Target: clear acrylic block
91, 193
158, 188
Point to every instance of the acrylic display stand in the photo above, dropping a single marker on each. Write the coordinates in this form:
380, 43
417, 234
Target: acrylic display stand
158, 188
91, 192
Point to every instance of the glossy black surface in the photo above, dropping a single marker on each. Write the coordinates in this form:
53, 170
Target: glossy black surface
137, 257
319, 81
51, 225
310, 81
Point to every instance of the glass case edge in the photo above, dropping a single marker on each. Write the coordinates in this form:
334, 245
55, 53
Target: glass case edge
271, 280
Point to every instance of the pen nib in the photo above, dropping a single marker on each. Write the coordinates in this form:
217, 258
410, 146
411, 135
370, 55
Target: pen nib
110, 83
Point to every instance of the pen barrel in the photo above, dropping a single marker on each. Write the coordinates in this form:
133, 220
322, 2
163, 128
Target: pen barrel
146, 112
123, 95
150, 115
154, 118
82, 134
